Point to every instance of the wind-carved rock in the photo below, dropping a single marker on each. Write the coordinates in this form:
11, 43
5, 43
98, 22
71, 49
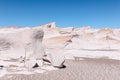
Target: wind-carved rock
38, 56
38, 49
58, 59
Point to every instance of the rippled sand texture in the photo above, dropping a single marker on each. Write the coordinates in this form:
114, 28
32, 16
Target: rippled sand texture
87, 69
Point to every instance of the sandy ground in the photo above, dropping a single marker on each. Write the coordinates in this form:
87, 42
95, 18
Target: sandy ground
87, 69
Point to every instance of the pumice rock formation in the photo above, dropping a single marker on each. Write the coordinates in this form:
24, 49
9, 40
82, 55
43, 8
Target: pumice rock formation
36, 58
38, 50
48, 47
57, 43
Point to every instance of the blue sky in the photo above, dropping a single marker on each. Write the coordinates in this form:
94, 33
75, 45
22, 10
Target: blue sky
66, 13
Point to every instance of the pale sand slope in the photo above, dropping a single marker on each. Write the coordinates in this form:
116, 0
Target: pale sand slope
87, 69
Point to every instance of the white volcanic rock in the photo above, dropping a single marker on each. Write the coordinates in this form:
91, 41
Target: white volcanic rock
68, 30
58, 43
15, 42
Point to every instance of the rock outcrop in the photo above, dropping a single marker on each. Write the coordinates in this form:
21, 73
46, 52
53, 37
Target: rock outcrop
19, 40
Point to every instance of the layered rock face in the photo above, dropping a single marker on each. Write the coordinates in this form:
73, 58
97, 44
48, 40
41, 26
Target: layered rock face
17, 42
